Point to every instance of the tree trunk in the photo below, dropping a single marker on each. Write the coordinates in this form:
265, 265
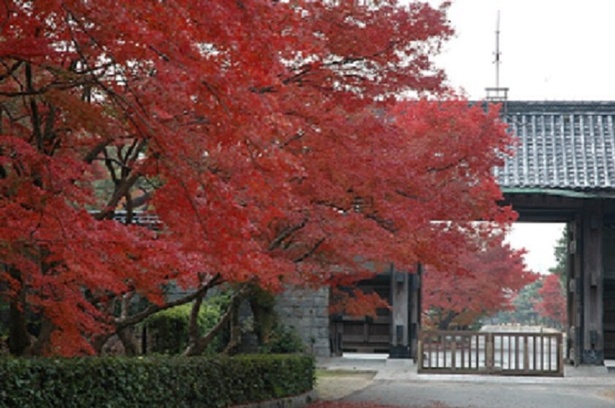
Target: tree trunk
42, 345
446, 321
235, 330
197, 346
19, 338
193, 323
129, 341
126, 335
98, 342
262, 304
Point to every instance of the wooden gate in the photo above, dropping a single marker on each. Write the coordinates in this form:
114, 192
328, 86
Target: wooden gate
455, 352
362, 334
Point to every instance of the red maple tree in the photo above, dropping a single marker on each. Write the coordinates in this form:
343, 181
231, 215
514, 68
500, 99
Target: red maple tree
484, 282
267, 137
552, 302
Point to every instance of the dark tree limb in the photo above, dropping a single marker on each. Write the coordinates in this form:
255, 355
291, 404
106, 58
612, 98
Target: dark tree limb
198, 347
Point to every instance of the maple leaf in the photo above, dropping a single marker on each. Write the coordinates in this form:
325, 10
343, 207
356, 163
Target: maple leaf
267, 139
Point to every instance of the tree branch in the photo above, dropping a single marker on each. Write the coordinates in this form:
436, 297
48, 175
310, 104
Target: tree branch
136, 318
10, 70
310, 252
287, 232
197, 347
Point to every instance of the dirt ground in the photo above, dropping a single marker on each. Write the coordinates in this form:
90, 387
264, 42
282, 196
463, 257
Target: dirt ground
610, 394
336, 384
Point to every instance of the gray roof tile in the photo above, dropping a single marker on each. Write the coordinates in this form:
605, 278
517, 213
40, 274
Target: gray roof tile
562, 145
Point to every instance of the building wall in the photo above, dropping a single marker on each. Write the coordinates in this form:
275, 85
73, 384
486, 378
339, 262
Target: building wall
307, 310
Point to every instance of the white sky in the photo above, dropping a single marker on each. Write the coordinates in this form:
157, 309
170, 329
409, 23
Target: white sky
539, 241
550, 50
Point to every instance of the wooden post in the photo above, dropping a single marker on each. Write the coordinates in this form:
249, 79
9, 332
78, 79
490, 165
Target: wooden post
420, 355
526, 354
400, 314
489, 353
415, 310
608, 295
573, 285
560, 358
336, 332
592, 281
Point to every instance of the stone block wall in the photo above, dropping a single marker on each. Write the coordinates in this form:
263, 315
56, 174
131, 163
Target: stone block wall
307, 310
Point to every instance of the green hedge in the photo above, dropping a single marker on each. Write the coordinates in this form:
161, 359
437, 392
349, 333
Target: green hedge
152, 382
168, 329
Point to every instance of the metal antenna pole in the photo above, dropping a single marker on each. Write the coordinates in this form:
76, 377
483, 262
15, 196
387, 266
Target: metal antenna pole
497, 94
497, 52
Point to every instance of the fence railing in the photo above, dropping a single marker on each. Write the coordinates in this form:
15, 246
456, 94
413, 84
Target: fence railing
459, 352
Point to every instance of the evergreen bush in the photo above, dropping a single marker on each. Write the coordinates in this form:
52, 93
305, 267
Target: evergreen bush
152, 382
168, 329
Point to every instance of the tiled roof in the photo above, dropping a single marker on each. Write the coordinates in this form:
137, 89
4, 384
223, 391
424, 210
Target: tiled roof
562, 146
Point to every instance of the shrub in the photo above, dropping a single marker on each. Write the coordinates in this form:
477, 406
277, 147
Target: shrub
152, 382
284, 339
168, 329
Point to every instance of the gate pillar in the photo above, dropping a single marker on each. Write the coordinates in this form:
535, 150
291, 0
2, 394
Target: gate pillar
592, 341
400, 314
573, 286
405, 312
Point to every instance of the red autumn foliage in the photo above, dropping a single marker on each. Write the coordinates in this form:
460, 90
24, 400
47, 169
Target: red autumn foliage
552, 302
356, 303
267, 137
483, 283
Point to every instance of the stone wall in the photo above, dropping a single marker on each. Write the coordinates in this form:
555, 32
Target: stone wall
307, 310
